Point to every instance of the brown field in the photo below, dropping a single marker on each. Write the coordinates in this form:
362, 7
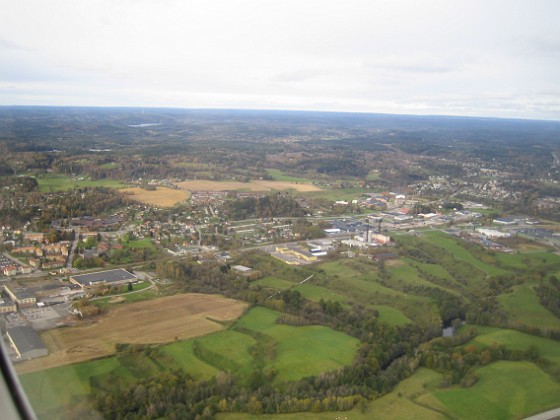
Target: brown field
161, 196
204, 185
155, 321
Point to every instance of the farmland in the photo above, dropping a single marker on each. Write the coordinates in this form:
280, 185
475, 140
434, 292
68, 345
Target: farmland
255, 185
52, 182
294, 352
161, 196
505, 390
170, 318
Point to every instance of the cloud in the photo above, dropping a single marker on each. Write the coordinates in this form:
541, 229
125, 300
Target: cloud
297, 76
8, 44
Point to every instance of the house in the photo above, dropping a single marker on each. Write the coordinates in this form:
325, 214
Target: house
10, 270
26, 343
33, 237
110, 277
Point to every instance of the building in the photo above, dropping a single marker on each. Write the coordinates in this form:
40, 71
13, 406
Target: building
507, 221
241, 269
24, 298
110, 277
7, 305
26, 343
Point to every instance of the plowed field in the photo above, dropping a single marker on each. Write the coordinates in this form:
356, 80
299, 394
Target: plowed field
154, 321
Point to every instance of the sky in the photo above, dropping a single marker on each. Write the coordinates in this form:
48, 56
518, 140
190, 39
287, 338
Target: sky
491, 58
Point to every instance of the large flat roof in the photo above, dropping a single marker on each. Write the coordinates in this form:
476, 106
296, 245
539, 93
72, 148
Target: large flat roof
109, 276
26, 339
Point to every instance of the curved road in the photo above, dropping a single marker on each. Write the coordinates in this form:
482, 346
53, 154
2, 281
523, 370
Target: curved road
547, 415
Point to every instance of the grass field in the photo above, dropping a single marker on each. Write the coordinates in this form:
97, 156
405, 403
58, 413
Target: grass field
204, 185
140, 243
55, 182
515, 340
278, 175
51, 388
449, 244
535, 260
523, 307
160, 197
505, 390
170, 318
391, 315
301, 351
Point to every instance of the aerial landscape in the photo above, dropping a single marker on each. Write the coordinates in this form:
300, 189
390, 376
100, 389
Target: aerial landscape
266, 262
280, 210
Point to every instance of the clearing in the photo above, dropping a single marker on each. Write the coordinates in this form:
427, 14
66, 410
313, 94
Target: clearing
162, 320
161, 196
205, 185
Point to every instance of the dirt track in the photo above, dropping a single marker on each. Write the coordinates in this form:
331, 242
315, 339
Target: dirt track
150, 322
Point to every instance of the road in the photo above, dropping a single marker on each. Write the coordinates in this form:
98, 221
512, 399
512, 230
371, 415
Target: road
144, 277
547, 415
73, 249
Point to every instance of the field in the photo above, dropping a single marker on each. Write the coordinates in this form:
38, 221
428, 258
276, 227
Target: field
254, 340
300, 351
170, 318
203, 185
161, 196
515, 340
278, 175
505, 390
51, 182
459, 252
523, 307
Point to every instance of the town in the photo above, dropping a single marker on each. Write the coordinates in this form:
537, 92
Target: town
404, 235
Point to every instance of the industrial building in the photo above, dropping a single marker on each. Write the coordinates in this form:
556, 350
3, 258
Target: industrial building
115, 277
26, 343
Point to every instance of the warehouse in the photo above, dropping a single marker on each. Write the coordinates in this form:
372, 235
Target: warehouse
26, 343
110, 277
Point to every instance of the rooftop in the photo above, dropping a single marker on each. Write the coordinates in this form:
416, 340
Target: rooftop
26, 338
108, 276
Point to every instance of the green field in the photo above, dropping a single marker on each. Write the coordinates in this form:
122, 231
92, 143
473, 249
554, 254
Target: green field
308, 291
515, 340
533, 260
391, 315
57, 182
301, 351
48, 389
523, 307
278, 175
450, 245
144, 243
505, 390
294, 352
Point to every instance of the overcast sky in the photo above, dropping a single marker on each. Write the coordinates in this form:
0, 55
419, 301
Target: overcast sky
497, 58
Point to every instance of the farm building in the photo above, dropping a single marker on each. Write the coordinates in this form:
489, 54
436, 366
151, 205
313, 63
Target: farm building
110, 277
26, 342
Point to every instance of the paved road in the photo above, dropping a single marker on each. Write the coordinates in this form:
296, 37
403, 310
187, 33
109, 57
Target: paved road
547, 415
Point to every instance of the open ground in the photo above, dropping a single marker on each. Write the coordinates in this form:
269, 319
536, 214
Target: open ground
161, 196
204, 185
170, 318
